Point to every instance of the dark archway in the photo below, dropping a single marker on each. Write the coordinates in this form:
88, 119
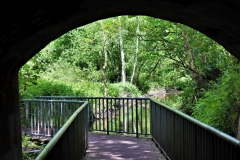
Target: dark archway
25, 28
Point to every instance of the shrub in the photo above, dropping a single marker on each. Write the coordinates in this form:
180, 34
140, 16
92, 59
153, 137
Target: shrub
47, 88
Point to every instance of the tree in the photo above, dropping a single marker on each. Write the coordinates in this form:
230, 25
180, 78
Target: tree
137, 48
151, 53
122, 50
106, 59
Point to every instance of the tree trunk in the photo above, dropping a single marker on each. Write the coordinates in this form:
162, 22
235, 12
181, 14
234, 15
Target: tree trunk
122, 50
105, 61
189, 53
136, 52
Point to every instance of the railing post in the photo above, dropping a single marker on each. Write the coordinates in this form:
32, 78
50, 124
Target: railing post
27, 116
136, 118
107, 117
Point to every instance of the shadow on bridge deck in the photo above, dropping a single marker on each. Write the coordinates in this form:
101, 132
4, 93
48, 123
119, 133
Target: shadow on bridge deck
118, 147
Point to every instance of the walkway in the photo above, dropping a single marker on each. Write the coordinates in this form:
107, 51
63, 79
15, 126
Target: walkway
118, 147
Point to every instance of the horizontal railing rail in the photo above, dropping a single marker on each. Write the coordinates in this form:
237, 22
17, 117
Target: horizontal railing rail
71, 140
46, 117
182, 137
124, 115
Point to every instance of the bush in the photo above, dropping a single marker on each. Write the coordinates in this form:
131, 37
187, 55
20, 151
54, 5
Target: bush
88, 88
123, 89
220, 106
47, 88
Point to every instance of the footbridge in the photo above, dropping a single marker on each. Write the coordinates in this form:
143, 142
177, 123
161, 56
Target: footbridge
67, 120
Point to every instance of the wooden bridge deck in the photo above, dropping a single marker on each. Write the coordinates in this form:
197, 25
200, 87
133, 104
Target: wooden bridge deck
118, 147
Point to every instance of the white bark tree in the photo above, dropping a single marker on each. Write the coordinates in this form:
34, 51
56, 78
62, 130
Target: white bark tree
136, 52
105, 60
122, 50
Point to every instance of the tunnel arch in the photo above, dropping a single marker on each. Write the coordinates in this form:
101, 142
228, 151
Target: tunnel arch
29, 27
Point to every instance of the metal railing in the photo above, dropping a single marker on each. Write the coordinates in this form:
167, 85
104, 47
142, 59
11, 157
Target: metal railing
71, 141
182, 137
46, 117
179, 136
119, 115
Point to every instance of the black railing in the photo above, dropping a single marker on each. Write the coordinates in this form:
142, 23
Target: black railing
46, 117
179, 136
182, 137
70, 142
119, 115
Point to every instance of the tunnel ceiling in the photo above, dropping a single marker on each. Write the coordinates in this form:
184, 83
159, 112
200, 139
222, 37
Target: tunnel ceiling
25, 28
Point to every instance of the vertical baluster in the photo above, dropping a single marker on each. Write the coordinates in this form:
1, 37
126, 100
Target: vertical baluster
31, 116
49, 119
111, 110
35, 117
56, 116
99, 114
40, 105
115, 115
52, 111
132, 111
136, 118
152, 117
95, 107
45, 117
146, 116
107, 117
90, 110
60, 110
39, 118
66, 112
124, 121
141, 121
62, 113
26, 105
90, 118
44, 112
119, 115
103, 114
128, 116
41, 113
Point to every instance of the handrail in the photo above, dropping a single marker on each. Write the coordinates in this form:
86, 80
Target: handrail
79, 97
63, 129
178, 135
201, 124
181, 137
127, 115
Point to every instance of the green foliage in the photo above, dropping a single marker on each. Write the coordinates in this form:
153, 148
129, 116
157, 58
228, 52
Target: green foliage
88, 88
73, 65
173, 100
219, 107
47, 88
188, 99
29, 145
123, 89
